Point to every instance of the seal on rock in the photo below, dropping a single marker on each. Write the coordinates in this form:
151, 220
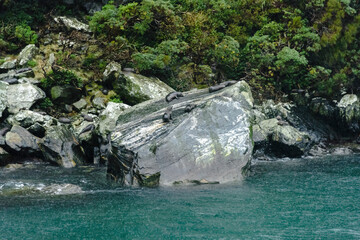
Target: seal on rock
216, 88
229, 83
4, 130
167, 115
64, 120
88, 128
87, 117
173, 95
189, 107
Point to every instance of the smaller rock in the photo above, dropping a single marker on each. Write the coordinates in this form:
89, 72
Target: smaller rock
73, 23
68, 108
22, 141
65, 94
99, 103
79, 105
27, 54
111, 72
11, 64
87, 117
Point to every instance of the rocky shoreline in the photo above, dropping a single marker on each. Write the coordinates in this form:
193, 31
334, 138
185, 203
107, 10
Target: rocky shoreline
211, 137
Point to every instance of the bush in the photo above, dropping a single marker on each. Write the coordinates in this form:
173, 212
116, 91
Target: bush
60, 78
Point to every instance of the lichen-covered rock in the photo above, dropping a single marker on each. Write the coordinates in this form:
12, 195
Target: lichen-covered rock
22, 141
60, 146
99, 103
211, 143
322, 107
109, 117
34, 122
7, 65
72, 23
79, 105
135, 88
27, 54
65, 94
112, 72
349, 111
23, 96
283, 141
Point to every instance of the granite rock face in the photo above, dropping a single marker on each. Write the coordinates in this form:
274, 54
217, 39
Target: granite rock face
212, 143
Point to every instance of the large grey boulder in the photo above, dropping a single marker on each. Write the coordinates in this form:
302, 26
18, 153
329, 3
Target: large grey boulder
136, 88
22, 141
23, 96
109, 116
72, 23
210, 144
27, 54
65, 94
60, 146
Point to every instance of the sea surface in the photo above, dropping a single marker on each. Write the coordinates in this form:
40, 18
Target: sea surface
315, 198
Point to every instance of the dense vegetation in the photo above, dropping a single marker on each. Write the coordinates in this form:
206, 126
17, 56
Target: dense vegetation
275, 45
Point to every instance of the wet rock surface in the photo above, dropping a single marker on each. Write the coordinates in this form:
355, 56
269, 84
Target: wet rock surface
212, 142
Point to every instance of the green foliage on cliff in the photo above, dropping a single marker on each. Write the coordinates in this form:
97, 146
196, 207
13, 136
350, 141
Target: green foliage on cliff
275, 45
60, 78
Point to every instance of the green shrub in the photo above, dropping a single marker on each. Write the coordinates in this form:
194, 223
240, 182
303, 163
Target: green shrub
45, 103
24, 34
32, 63
115, 99
60, 78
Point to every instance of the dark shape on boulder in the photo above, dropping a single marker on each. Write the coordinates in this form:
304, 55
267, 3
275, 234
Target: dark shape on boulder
173, 95
167, 115
229, 83
64, 120
87, 117
189, 107
4, 130
11, 80
22, 70
87, 129
216, 88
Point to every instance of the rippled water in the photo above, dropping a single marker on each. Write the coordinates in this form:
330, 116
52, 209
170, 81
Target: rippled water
294, 199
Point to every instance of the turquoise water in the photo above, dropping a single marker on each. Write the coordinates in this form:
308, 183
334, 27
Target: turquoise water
294, 199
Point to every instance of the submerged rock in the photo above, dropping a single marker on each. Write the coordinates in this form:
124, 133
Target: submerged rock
62, 189
211, 142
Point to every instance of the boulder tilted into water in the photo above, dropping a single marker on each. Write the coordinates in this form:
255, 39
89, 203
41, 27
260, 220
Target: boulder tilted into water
212, 143
60, 146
